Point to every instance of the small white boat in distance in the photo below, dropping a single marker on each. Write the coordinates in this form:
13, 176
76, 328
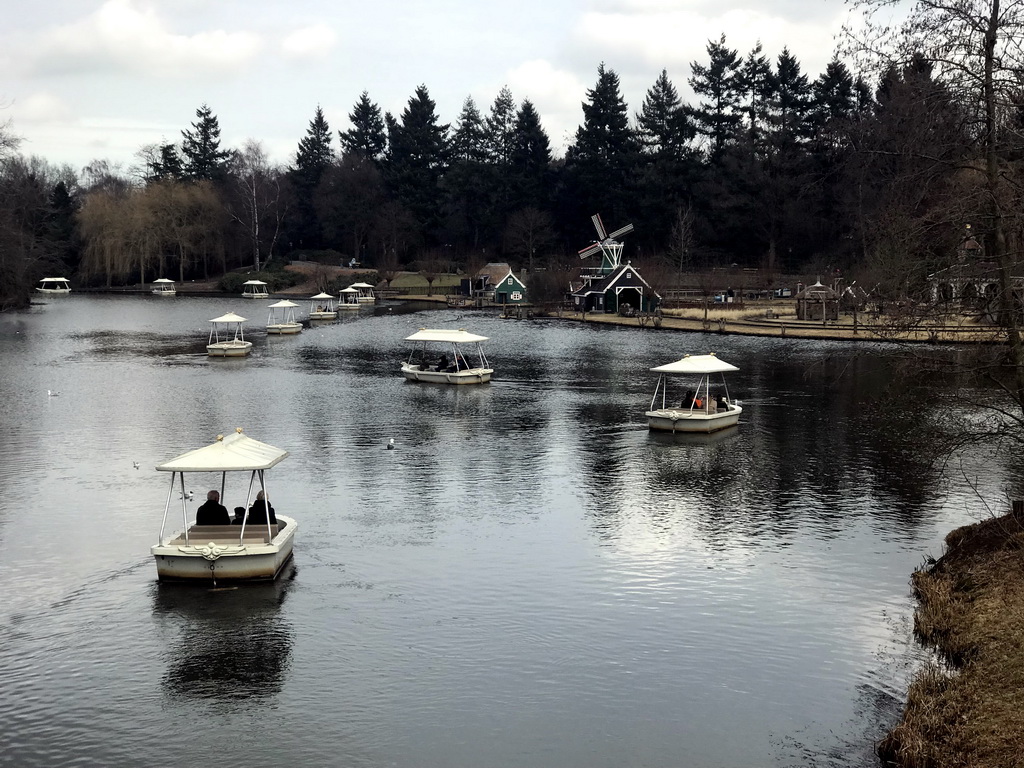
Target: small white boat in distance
365, 293
704, 409
164, 287
321, 307
348, 298
54, 285
227, 338
255, 289
282, 318
422, 365
234, 552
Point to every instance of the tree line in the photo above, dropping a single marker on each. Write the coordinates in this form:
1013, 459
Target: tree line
876, 172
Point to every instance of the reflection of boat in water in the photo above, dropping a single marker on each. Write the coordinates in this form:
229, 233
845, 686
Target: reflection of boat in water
232, 645
54, 285
321, 307
718, 437
164, 287
706, 409
282, 318
445, 371
226, 337
245, 552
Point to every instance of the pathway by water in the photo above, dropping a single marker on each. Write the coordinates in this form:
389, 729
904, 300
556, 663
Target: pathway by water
530, 579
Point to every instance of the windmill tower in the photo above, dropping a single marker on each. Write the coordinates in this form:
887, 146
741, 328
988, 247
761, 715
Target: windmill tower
608, 246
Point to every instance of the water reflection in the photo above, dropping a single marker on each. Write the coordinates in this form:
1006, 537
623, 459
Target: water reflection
233, 646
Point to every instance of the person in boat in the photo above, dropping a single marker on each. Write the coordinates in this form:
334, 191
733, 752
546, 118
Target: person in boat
239, 516
442, 364
212, 512
687, 401
722, 405
261, 510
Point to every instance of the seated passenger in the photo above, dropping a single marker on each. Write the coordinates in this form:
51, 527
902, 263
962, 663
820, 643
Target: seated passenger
239, 516
442, 364
212, 512
260, 511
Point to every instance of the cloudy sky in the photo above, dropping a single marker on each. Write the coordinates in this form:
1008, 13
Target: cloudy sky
98, 79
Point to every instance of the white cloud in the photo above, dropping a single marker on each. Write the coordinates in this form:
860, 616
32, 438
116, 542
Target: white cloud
40, 107
557, 94
123, 35
316, 41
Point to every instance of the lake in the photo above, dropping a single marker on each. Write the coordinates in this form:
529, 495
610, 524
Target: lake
529, 579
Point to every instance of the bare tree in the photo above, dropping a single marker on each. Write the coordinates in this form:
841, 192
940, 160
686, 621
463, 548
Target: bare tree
528, 231
256, 206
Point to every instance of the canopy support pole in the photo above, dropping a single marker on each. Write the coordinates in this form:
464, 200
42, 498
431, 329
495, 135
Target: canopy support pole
184, 508
167, 507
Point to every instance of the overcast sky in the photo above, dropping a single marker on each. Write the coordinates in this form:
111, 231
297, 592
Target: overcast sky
98, 79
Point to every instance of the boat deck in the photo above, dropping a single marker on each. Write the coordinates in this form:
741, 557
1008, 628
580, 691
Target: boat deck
224, 534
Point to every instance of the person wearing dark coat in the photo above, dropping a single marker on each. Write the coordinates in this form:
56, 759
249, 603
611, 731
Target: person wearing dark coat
259, 511
212, 512
239, 517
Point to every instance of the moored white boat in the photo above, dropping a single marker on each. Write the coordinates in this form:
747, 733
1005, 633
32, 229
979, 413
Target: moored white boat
213, 553
282, 318
365, 293
707, 408
255, 289
227, 338
163, 287
54, 285
348, 298
445, 370
321, 307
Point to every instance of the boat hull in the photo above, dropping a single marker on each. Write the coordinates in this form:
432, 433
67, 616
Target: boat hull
323, 315
198, 561
468, 376
229, 349
342, 307
284, 328
53, 290
157, 292
682, 420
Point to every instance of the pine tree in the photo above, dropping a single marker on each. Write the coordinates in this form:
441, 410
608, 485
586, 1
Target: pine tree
367, 135
664, 128
499, 126
791, 101
203, 157
469, 138
467, 184
720, 86
314, 153
757, 84
530, 159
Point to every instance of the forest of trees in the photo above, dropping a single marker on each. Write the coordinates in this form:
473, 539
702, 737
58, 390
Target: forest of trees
876, 173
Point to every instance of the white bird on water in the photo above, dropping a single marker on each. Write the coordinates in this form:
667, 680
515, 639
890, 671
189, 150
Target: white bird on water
391, 444
51, 393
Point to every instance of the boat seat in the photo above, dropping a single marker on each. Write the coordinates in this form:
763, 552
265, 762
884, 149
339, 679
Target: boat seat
225, 533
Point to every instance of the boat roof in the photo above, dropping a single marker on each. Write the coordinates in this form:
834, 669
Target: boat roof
350, 289
284, 303
441, 334
230, 317
234, 452
322, 296
361, 285
254, 282
697, 364
163, 280
47, 279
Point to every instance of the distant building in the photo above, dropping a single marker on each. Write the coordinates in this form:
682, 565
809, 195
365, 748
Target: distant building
622, 290
817, 302
509, 290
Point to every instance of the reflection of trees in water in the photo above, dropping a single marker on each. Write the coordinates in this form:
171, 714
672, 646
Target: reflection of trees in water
233, 644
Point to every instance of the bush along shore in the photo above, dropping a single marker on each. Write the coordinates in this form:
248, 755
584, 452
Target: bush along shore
967, 708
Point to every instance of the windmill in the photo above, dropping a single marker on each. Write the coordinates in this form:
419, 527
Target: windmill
607, 244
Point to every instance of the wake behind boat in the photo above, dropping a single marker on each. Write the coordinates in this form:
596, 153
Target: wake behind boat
422, 366
704, 409
254, 549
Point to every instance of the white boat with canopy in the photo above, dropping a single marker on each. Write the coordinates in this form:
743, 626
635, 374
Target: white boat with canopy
54, 285
321, 307
364, 293
422, 364
234, 552
707, 408
227, 338
255, 289
348, 298
164, 287
282, 318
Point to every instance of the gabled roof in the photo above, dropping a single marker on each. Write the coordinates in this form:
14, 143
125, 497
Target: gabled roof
495, 271
230, 453
507, 275
625, 276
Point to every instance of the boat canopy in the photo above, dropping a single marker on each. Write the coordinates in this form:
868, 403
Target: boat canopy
360, 285
696, 364
163, 280
230, 317
51, 279
322, 296
455, 336
350, 289
254, 282
283, 303
234, 452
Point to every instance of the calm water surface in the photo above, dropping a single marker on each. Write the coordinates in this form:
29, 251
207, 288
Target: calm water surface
531, 579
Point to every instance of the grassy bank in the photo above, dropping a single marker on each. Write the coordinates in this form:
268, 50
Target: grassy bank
967, 709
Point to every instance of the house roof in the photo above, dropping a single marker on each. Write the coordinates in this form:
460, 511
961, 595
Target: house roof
494, 271
506, 276
624, 277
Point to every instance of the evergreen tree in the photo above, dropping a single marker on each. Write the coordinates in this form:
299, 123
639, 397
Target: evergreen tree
834, 96
167, 166
664, 127
469, 143
601, 159
416, 159
203, 157
366, 136
499, 126
757, 85
719, 85
466, 183
313, 157
530, 159
791, 100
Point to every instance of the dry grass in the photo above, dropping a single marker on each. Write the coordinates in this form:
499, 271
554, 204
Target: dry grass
968, 711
